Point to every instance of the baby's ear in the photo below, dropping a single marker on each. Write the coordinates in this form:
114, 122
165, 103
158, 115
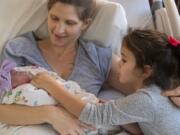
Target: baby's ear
8, 65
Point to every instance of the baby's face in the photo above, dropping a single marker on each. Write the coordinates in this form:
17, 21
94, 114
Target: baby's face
19, 78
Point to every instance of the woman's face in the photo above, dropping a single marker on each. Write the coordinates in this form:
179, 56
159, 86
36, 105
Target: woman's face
129, 74
64, 24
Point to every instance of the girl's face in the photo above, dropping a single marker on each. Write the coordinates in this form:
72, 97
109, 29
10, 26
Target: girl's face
64, 24
129, 74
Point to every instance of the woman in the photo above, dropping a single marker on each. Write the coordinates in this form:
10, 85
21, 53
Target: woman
66, 22
68, 55
63, 52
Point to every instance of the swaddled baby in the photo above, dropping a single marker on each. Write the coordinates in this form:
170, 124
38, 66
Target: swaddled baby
15, 86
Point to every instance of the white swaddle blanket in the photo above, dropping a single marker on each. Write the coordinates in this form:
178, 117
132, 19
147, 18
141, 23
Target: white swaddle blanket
27, 94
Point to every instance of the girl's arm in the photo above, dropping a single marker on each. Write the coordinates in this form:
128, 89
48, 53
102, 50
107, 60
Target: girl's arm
72, 103
76, 105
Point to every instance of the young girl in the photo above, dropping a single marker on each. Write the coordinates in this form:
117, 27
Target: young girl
150, 63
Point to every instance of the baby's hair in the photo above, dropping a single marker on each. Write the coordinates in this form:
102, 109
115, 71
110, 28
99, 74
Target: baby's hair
84, 8
153, 48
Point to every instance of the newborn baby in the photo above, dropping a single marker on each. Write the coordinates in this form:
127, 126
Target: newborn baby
18, 89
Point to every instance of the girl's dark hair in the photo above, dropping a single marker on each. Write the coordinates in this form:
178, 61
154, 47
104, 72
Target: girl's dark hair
153, 48
84, 8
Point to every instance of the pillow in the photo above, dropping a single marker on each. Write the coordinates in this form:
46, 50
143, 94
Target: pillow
19, 16
109, 25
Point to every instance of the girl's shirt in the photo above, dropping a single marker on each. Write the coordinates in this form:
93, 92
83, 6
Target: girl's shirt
91, 68
155, 113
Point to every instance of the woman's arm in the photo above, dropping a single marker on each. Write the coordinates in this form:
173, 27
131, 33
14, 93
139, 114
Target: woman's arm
22, 115
55, 116
64, 122
132, 128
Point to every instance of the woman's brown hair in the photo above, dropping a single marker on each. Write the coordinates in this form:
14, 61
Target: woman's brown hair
84, 8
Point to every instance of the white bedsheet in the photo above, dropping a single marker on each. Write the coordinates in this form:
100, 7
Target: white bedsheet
37, 130
27, 130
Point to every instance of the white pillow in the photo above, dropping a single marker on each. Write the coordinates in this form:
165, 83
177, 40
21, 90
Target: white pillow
20, 16
109, 25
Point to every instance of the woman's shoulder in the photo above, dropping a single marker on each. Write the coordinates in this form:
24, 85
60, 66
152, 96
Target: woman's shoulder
95, 48
98, 55
20, 43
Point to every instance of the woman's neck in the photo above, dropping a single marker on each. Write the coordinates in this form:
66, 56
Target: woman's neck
58, 51
60, 59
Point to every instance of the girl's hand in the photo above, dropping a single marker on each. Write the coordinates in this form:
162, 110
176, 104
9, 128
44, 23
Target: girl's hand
87, 126
43, 80
174, 95
64, 122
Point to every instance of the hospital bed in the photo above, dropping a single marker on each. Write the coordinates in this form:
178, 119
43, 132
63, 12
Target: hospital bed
18, 17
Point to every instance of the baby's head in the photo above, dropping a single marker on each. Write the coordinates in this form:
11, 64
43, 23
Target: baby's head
19, 78
158, 52
10, 78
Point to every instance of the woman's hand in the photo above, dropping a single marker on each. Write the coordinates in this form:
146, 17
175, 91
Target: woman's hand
64, 123
174, 95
